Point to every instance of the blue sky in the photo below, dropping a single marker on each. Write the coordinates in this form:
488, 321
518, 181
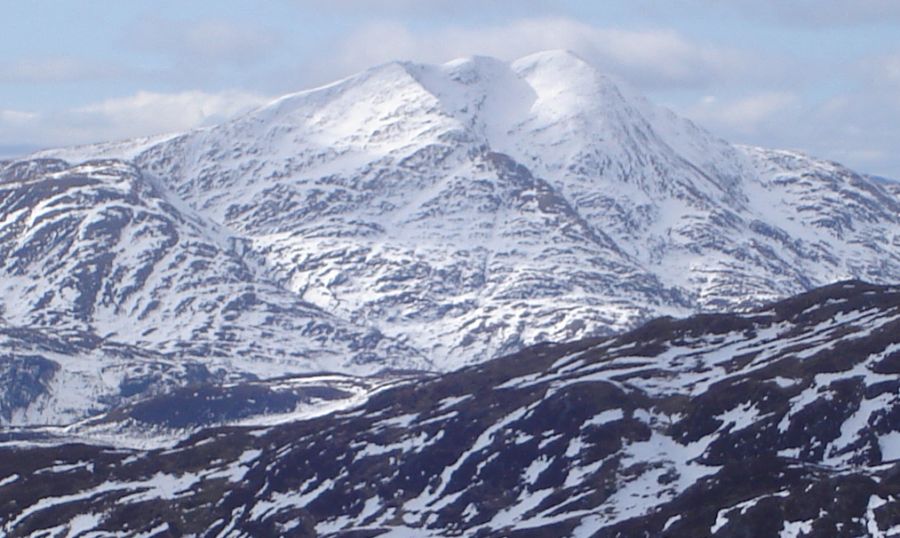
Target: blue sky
822, 76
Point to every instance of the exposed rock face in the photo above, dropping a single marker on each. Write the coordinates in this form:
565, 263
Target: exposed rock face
781, 421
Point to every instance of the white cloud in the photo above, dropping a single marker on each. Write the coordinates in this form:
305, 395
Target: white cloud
892, 67
877, 92
811, 12
144, 113
445, 8
864, 155
199, 42
647, 58
856, 128
884, 70
53, 70
745, 115
16, 117
168, 111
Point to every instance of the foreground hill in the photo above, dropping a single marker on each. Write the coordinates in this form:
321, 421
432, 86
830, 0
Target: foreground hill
784, 421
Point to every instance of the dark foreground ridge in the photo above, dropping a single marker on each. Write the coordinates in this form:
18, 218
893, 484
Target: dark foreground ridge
781, 422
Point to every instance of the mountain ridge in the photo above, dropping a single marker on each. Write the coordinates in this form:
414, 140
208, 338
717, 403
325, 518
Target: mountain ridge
421, 216
683, 182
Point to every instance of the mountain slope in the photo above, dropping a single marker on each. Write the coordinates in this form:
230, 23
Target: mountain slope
520, 202
98, 250
53, 376
779, 422
456, 212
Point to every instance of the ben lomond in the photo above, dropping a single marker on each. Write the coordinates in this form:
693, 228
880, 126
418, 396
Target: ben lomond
410, 217
441, 300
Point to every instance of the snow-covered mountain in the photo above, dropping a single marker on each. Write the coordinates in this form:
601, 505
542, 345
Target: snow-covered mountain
473, 207
780, 422
109, 287
424, 216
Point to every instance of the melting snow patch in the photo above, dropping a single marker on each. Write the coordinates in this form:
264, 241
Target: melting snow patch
784, 382
794, 529
536, 468
452, 401
155, 531
236, 471
403, 421
62, 468
373, 504
515, 513
162, 486
334, 525
739, 418
671, 521
407, 532
610, 415
430, 496
890, 446
871, 523
549, 439
83, 523
410, 444
575, 447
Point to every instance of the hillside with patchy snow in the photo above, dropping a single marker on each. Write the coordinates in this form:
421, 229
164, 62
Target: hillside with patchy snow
781, 422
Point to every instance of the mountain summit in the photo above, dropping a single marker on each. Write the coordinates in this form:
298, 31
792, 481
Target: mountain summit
412, 215
472, 207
